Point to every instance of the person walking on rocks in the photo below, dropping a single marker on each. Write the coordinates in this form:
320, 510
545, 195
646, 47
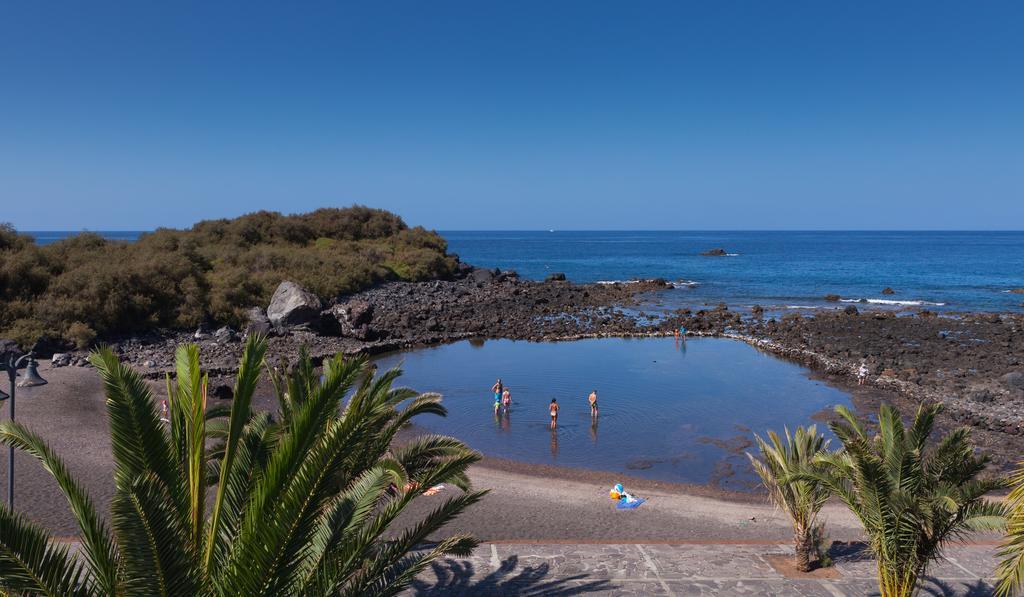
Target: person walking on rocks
862, 373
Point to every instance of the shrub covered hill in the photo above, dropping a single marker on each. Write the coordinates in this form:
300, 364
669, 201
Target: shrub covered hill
86, 287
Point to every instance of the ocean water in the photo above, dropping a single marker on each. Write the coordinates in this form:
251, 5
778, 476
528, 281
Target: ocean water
45, 237
962, 271
668, 411
959, 271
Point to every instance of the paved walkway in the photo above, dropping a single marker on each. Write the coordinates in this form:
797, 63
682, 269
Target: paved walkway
664, 569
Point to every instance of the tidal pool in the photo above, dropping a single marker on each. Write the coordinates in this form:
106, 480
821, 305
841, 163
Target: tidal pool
681, 412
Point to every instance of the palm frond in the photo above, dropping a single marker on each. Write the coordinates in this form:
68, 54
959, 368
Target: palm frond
33, 565
1010, 572
97, 543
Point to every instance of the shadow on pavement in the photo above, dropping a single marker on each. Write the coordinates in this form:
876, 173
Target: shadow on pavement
940, 588
455, 577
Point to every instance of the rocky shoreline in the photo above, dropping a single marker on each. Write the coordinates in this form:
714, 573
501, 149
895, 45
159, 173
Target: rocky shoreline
973, 363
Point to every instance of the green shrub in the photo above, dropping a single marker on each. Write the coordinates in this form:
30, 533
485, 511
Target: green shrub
85, 286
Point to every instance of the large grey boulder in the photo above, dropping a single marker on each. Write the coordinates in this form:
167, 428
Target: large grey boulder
292, 306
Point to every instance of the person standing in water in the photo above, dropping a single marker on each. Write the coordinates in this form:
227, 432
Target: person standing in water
506, 400
553, 409
497, 388
593, 404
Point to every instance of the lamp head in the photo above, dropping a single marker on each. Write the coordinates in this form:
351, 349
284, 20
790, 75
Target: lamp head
31, 378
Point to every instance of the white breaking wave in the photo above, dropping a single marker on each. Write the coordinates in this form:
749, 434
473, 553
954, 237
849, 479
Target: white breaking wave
732, 254
801, 307
678, 284
893, 302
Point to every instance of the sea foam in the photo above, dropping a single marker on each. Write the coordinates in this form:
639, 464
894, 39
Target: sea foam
894, 302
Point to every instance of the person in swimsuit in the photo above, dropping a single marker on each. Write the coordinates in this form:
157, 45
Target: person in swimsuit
553, 409
506, 400
496, 388
593, 403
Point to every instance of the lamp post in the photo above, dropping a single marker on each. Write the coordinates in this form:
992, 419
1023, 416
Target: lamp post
11, 363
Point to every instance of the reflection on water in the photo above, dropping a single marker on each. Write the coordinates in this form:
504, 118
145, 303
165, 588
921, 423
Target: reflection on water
675, 411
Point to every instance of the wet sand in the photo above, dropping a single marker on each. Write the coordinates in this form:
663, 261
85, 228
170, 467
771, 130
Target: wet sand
526, 503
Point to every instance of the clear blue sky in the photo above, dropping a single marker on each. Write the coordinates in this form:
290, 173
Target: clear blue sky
516, 115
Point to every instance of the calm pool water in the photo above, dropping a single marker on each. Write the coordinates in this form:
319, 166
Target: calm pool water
682, 413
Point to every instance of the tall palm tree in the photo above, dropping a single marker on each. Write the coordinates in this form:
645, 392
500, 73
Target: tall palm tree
912, 498
303, 503
801, 499
1011, 568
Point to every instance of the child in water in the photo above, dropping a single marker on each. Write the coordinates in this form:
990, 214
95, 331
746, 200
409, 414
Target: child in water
554, 412
593, 403
506, 400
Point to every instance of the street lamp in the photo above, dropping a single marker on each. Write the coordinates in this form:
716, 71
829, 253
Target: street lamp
30, 378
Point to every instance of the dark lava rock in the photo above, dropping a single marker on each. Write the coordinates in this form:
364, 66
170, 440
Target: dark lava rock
983, 396
46, 346
225, 334
483, 276
223, 392
1013, 380
350, 319
555, 277
60, 359
715, 253
832, 298
888, 290
9, 347
292, 306
851, 310
258, 322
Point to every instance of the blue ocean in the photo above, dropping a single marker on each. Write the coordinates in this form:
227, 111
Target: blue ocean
958, 271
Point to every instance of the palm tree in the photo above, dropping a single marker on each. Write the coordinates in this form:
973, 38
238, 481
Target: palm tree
911, 498
1011, 569
304, 503
801, 499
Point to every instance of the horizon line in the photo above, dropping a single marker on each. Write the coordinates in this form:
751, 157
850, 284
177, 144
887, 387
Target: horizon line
557, 230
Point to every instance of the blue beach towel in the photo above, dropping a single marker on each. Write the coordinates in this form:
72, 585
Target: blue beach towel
624, 505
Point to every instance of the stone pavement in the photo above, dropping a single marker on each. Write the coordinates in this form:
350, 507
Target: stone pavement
690, 569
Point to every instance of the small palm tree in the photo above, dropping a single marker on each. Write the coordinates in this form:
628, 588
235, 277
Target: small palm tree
801, 499
911, 498
1011, 568
304, 503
